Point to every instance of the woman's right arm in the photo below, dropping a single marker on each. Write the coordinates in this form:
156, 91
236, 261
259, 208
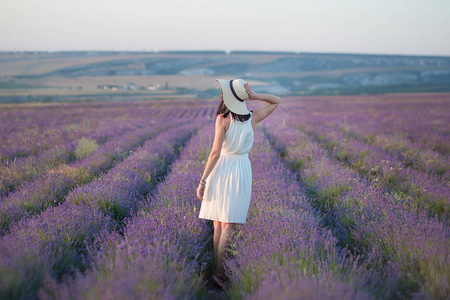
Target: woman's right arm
262, 112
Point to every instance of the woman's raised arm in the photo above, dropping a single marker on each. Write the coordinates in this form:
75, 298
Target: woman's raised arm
262, 112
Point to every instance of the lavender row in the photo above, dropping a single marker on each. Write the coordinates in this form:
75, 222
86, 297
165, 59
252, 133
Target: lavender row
409, 249
418, 157
164, 250
17, 120
29, 130
57, 242
51, 189
50, 243
33, 140
119, 191
63, 151
412, 188
421, 119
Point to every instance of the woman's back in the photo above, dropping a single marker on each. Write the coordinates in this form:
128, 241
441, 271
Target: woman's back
239, 137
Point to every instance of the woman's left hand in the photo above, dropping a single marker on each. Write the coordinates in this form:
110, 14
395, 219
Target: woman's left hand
200, 191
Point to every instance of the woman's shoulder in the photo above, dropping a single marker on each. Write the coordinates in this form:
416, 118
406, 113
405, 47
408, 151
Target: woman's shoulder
223, 122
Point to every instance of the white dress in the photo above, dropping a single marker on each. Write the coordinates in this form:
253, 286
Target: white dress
229, 185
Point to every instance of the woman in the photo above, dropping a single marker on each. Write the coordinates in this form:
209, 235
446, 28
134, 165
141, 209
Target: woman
226, 184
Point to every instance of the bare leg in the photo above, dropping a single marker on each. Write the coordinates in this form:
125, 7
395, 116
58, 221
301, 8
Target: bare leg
217, 234
224, 243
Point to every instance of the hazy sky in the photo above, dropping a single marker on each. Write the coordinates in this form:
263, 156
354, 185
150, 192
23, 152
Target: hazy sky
354, 26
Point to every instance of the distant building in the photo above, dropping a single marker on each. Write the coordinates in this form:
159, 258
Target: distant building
129, 87
154, 87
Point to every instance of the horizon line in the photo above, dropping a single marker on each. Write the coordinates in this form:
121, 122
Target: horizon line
227, 52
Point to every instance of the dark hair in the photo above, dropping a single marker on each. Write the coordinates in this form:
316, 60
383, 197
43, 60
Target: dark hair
223, 109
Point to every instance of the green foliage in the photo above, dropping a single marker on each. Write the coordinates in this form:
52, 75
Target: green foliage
440, 170
85, 147
343, 155
439, 208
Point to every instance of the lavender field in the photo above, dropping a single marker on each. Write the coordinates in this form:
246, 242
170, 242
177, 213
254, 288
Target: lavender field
350, 200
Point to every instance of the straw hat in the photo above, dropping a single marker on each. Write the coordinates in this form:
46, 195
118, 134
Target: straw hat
234, 94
